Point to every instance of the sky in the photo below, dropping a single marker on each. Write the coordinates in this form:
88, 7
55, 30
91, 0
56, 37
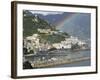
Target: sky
45, 13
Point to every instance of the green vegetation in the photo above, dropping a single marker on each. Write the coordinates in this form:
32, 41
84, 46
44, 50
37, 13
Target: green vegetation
52, 38
75, 46
32, 23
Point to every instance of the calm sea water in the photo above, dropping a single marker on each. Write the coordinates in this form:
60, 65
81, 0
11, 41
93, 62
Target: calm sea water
76, 64
81, 63
73, 54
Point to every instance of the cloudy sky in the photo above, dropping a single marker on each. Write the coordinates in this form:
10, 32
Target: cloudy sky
45, 13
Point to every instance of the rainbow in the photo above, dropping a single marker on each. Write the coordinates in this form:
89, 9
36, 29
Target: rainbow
66, 19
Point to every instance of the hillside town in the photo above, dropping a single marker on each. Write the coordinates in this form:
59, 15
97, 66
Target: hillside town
32, 43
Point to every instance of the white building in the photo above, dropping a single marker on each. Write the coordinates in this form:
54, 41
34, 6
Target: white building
44, 30
61, 45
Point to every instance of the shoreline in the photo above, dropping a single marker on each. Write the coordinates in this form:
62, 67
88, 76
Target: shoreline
76, 50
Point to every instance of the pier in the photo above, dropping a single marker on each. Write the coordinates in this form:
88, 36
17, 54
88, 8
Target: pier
41, 64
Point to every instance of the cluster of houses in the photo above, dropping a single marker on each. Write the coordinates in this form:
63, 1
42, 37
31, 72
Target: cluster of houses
47, 31
32, 43
68, 42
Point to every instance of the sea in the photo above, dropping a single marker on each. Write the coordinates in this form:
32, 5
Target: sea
72, 54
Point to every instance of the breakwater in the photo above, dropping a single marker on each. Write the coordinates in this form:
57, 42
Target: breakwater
41, 64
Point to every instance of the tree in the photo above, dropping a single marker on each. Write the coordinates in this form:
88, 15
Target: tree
27, 65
